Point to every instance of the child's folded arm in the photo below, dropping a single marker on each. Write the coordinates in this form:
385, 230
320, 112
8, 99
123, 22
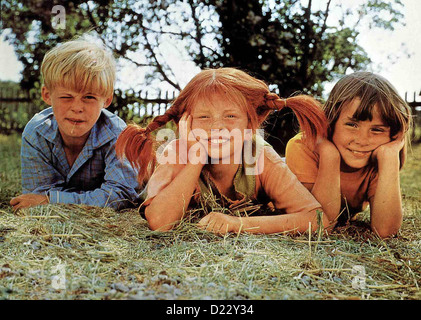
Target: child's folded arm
327, 187
172, 200
106, 196
117, 191
318, 171
38, 174
286, 192
283, 187
386, 204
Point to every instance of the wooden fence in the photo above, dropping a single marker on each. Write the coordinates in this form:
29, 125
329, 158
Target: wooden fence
18, 106
416, 113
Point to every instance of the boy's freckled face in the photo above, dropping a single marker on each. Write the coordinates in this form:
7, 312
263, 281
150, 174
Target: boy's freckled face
356, 140
76, 112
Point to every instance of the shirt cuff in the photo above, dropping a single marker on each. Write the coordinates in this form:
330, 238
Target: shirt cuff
61, 197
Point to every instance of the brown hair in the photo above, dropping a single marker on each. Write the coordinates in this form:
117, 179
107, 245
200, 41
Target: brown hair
373, 90
253, 95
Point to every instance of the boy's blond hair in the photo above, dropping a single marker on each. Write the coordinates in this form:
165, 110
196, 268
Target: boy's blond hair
80, 65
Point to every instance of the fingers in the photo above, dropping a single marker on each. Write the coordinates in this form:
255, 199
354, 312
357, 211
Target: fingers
182, 127
184, 117
400, 140
27, 200
214, 222
204, 222
389, 149
185, 128
221, 229
400, 135
14, 201
186, 120
17, 208
16, 204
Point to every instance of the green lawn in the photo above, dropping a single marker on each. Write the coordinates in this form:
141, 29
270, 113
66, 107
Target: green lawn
77, 252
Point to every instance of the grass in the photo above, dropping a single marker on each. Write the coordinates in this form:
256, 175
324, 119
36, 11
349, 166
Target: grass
102, 254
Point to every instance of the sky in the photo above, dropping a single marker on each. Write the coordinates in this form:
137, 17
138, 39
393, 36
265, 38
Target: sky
396, 55
403, 46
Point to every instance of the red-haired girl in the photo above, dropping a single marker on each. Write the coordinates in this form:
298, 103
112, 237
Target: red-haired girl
216, 157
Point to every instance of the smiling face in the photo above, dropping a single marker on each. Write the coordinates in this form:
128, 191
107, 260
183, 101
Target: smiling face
76, 112
356, 139
221, 125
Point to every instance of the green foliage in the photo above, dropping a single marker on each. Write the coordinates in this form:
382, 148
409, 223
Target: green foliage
17, 106
10, 175
288, 43
292, 45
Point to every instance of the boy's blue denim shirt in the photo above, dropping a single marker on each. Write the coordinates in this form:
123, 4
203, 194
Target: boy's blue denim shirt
96, 178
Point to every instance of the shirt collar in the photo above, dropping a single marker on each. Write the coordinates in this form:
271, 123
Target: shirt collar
101, 132
49, 129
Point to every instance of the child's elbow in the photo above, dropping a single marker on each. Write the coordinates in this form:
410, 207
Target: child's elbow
327, 222
318, 222
156, 222
159, 225
386, 231
387, 228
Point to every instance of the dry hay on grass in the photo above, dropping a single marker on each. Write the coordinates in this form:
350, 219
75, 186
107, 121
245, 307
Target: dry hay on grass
113, 255
109, 255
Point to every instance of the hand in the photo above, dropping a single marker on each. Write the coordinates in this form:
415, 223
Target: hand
28, 200
220, 223
190, 140
390, 149
327, 149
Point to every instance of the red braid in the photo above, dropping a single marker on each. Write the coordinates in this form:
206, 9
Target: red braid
308, 111
136, 144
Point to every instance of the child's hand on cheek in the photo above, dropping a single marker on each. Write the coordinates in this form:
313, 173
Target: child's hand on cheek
389, 150
220, 223
327, 150
190, 140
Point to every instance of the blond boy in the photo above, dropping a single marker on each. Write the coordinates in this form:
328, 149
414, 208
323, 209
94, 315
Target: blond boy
68, 149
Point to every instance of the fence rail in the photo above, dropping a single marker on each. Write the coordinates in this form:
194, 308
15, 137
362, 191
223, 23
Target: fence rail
16, 109
416, 113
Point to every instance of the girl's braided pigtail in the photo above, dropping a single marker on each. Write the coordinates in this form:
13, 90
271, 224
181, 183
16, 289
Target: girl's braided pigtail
138, 147
308, 111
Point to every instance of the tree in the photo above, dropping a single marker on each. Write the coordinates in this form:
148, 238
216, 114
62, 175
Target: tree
291, 44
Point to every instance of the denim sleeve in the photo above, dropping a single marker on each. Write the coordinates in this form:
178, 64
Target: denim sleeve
118, 190
38, 173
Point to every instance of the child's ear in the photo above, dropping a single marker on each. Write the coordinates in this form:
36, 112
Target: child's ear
108, 101
46, 95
